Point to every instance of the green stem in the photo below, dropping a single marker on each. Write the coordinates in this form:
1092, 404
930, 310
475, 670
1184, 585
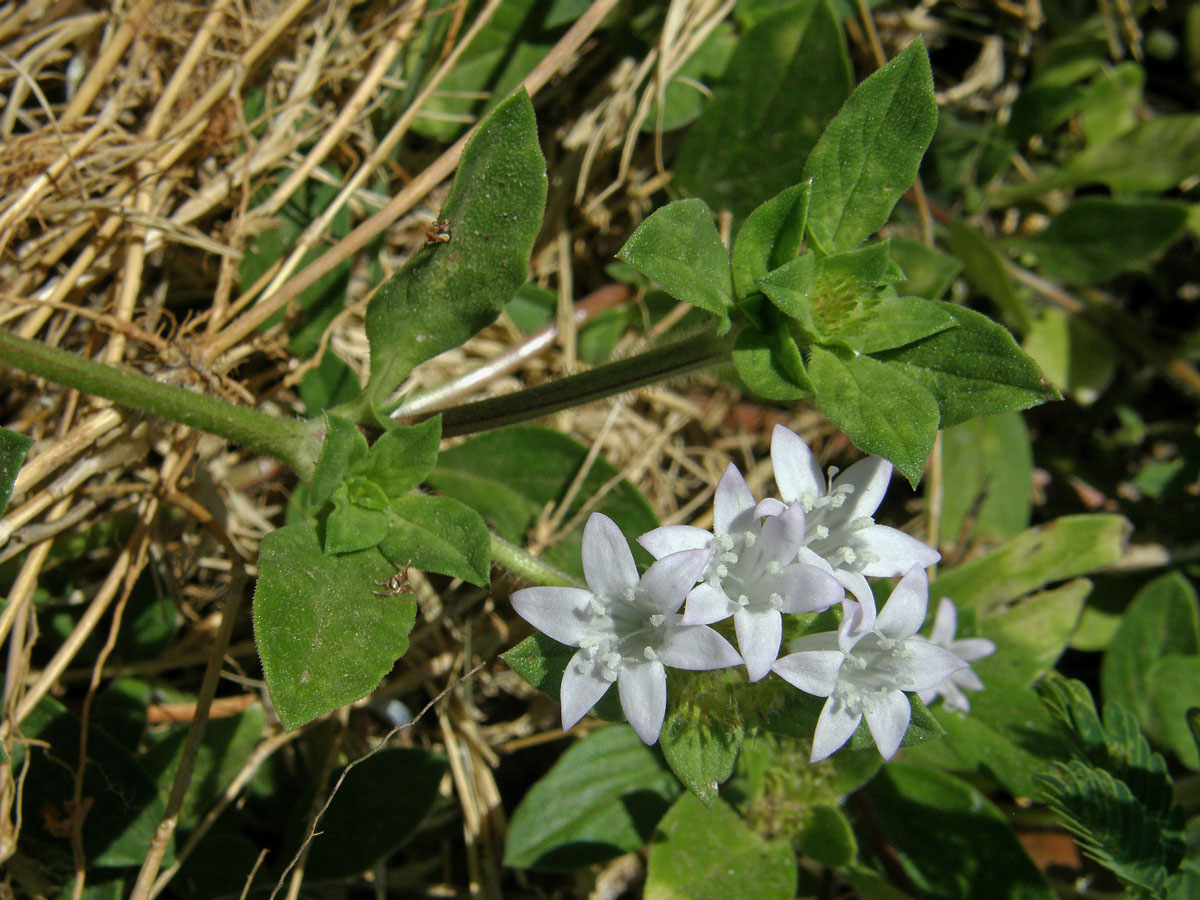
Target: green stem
294, 442
532, 569
679, 358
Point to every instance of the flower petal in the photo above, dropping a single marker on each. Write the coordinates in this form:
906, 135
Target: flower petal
808, 589
669, 579
782, 535
706, 604
834, 728
888, 717
895, 551
732, 503
582, 687
673, 538
758, 635
905, 609
769, 506
945, 623
608, 562
812, 671
857, 585
643, 689
925, 665
870, 477
971, 649
966, 678
559, 612
797, 472
697, 647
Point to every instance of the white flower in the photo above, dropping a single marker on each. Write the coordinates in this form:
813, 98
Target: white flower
749, 576
866, 673
945, 624
841, 535
627, 629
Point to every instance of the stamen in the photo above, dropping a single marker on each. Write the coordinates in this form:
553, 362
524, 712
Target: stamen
722, 571
649, 654
657, 619
776, 601
774, 567
630, 595
748, 538
822, 532
743, 601
861, 522
595, 607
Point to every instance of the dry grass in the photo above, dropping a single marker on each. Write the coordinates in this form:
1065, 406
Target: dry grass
131, 184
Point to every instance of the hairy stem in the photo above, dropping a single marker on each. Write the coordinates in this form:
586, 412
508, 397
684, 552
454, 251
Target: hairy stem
532, 569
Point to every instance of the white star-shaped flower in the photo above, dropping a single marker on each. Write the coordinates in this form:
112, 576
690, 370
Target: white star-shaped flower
752, 575
840, 534
626, 628
945, 624
865, 674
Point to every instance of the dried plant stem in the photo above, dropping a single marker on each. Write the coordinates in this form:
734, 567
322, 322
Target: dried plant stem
99, 73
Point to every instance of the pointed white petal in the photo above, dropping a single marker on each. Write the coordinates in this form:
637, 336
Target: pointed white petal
971, 649
706, 604
796, 470
945, 623
697, 647
857, 585
643, 690
769, 506
897, 552
608, 562
758, 635
905, 609
823, 640
782, 534
834, 728
808, 589
581, 689
925, 665
673, 538
812, 671
966, 678
732, 503
559, 612
870, 477
953, 697
888, 717
668, 581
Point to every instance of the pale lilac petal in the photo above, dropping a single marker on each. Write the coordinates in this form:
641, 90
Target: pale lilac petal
834, 728
581, 689
968, 679
905, 609
926, 665
812, 671
608, 562
643, 690
895, 551
673, 538
706, 604
888, 717
953, 698
870, 477
698, 648
857, 585
782, 535
758, 635
808, 589
796, 469
733, 502
668, 581
769, 506
816, 642
971, 649
851, 630
945, 623
559, 612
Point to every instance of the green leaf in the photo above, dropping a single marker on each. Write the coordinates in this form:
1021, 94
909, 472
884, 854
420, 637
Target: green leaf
679, 248
929, 271
701, 747
378, 807
1155, 156
438, 534
973, 370
344, 445
987, 469
449, 291
352, 526
827, 837
510, 476
402, 457
1096, 238
772, 236
13, 447
1161, 621
711, 854
869, 154
125, 806
987, 271
753, 136
602, 799
881, 409
1065, 548
1110, 105
757, 359
324, 633
897, 321
964, 846
1076, 357
1174, 686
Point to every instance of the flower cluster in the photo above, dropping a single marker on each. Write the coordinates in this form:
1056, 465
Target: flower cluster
811, 548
